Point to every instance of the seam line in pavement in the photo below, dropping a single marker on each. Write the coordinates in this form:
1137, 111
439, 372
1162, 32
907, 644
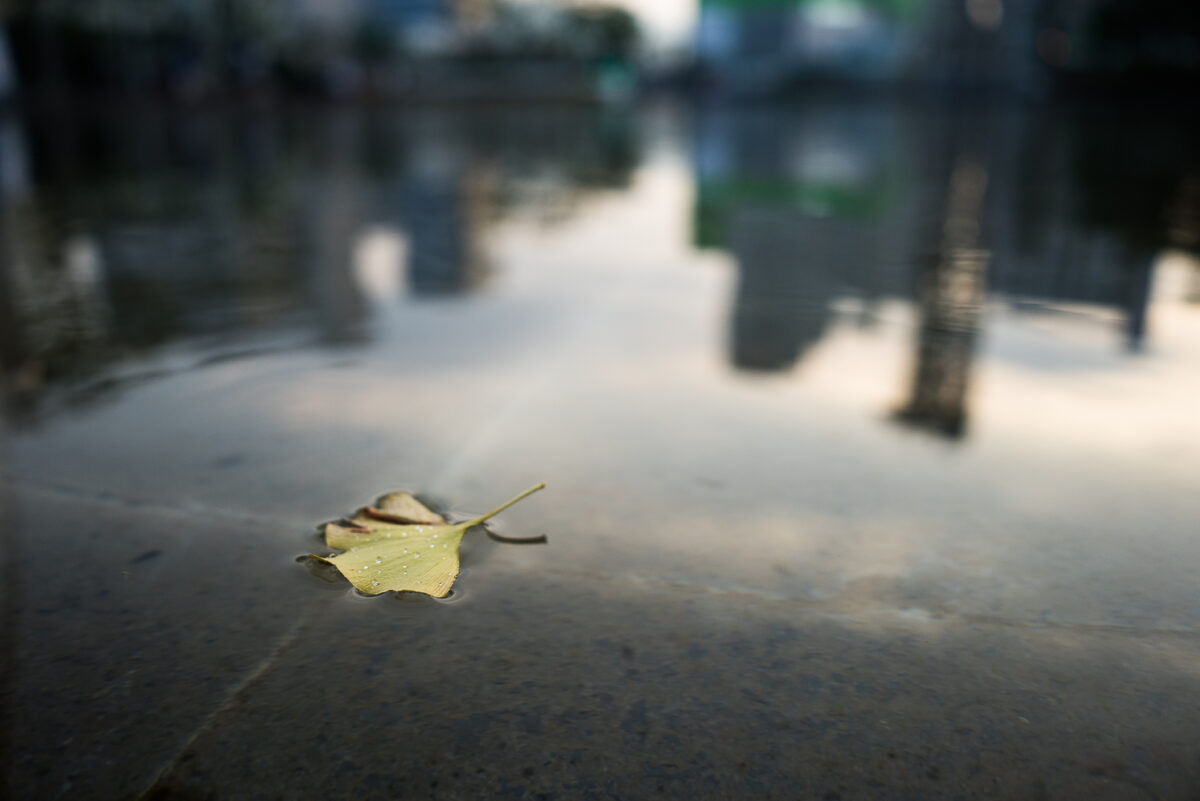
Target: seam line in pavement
247, 681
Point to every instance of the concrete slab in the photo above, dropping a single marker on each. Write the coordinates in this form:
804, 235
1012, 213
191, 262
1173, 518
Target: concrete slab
551, 687
129, 625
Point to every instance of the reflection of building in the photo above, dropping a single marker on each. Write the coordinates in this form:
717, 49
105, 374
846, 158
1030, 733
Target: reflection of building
1092, 239
764, 45
809, 207
760, 45
783, 297
844, 191
980, 43
428, 24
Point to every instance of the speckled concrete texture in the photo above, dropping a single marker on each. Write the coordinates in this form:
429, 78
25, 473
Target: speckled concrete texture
618, 690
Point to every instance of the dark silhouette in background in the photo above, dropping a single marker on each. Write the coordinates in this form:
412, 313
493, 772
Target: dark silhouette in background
461, 50
784, 289
805, 202
484, 50
950, 294
943, 206
238, 230
951, 269
126, 232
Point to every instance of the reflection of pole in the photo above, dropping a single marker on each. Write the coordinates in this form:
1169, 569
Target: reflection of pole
330, 219
445, 216
1136, 295
10, 330
951, 296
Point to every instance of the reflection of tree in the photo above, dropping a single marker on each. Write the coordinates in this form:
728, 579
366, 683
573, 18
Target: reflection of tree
950, 296
13, 352
1148, 41
52, 319
221, 227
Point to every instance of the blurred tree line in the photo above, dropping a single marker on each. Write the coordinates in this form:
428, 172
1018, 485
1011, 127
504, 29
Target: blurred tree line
191, 48
1145, 36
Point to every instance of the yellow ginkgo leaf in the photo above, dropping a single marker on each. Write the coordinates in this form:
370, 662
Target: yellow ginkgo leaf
386, 549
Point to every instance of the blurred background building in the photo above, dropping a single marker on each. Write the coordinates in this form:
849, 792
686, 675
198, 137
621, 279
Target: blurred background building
1015, 46
597, 51
438, 49
810, 199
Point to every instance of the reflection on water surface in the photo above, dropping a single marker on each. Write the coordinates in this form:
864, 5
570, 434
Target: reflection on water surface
869, 431
127, 235
223, 233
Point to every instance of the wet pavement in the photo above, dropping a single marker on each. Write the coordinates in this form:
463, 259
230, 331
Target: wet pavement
870, 436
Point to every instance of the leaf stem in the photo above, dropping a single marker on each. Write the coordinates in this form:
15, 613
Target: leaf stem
505, 505
538, 540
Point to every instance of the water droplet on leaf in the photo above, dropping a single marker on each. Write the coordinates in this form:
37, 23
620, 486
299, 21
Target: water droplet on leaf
371, 531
